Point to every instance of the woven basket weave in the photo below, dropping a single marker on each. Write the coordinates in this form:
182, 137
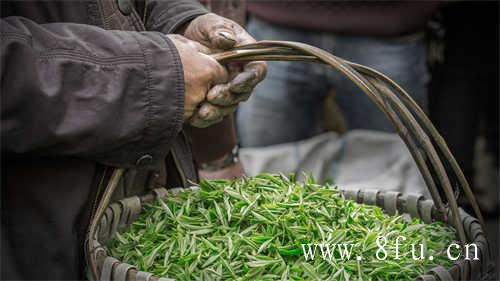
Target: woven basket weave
439, 169
120, 214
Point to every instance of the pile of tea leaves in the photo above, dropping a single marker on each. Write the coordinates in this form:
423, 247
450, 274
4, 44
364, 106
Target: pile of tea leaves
253, 229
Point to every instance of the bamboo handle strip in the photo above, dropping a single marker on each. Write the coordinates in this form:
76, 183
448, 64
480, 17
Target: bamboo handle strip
381, 90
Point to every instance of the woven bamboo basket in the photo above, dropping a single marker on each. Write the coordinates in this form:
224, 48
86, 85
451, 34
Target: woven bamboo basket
442, 175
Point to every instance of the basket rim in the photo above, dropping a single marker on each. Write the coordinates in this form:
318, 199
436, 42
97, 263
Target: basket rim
120, 214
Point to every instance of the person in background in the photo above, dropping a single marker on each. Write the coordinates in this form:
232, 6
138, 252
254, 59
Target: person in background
464, 89
388, 36
92, 85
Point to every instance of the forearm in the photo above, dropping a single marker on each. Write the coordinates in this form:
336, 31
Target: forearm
213, 142
77, 90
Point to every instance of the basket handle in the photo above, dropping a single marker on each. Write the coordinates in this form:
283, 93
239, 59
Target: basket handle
420, 136
386, 94
90, 253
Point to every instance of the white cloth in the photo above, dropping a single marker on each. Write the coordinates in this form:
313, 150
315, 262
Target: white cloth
357, 159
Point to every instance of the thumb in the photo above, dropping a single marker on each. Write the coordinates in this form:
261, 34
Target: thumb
222, 38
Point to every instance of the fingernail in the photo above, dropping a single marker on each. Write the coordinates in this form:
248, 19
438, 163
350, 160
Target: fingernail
207, 113
203, 113
227, 36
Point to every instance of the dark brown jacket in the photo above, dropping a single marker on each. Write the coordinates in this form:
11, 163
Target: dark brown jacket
82, 89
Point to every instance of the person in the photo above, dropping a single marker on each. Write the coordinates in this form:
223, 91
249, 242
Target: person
464, 90
388, 36
91, 85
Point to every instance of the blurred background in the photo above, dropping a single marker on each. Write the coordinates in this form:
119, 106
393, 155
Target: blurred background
306, 118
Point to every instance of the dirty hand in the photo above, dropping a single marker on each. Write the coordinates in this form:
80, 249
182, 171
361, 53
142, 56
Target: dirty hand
218, 34
201, 72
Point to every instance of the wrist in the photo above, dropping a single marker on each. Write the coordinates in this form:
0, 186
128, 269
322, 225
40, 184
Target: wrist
227, 160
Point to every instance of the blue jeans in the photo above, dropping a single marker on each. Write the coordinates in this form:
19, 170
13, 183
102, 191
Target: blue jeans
287, 105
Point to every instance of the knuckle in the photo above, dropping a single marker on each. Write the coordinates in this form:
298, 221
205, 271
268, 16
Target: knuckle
220, 98
260, 69
244, 97
208, 112
196, 122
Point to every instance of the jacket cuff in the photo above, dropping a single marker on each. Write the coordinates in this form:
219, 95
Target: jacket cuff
165, 112
162, 103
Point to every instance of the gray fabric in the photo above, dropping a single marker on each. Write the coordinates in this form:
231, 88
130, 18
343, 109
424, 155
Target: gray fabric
107, 268
357, 159
120, 272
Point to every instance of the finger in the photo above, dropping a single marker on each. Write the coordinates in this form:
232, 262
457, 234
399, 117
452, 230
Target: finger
192, 100
221, 32
219, 73
243, 37
240, 88
243, 83
220, 95
252, 74
223, 94
209, 114
200, 123
222, 38
181, 41
199, 47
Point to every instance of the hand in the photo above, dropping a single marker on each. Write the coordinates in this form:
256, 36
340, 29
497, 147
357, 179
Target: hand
218, 34
201, 72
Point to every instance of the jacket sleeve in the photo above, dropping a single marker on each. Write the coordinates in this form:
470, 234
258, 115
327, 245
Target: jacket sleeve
115, 97
215, 141
168, 16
